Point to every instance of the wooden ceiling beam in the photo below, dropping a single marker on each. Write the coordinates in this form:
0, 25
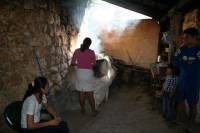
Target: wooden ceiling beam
138, 7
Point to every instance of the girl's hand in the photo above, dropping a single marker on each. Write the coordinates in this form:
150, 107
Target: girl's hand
58, 118
54, 122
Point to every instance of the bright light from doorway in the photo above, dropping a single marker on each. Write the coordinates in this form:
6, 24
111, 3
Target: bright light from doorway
101, 15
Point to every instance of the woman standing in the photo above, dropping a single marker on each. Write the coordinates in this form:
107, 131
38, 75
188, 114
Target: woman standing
85, 59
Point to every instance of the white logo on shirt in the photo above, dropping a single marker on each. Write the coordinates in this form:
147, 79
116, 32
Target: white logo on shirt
178, 52
191, 58
185, 58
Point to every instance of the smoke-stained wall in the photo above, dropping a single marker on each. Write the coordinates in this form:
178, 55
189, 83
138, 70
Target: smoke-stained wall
72, 13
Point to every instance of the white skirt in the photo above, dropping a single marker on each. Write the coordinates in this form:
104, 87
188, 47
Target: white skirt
84, 80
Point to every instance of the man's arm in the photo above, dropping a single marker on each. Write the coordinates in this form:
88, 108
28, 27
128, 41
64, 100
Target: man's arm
176, 59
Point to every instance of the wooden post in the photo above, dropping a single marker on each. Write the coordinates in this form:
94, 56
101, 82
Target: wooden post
176, 20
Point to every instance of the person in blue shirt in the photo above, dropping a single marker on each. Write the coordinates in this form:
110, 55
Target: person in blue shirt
187, 60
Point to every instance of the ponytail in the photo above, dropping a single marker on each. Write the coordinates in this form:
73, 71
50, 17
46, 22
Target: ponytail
83, 48
36, 86
29, 92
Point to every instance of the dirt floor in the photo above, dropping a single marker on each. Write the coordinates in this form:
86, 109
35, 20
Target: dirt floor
129, 110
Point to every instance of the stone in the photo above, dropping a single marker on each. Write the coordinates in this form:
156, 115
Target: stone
64, 66
54, 70
56, 78
42, 4
52, 30
57, 19
27, 34
50, 19
28, 4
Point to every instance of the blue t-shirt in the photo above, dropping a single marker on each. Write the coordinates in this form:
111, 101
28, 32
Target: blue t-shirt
188, 61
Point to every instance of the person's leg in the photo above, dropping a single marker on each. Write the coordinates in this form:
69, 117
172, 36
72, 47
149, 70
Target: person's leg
92, 101
192, 99
38, 130
181, 111
181, 107
170, 108
192, 113
82, 101
61, 128
167, 108
173, 108
164, 106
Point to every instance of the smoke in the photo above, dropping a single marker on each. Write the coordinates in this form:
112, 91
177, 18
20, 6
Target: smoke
136, 47
101, 16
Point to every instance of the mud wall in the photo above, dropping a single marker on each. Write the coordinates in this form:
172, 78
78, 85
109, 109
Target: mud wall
137, 45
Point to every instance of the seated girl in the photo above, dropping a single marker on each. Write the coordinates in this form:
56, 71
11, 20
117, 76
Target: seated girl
34, 99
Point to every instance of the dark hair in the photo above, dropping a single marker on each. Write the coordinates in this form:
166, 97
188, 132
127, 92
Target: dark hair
39, 83
191, 31
86, 44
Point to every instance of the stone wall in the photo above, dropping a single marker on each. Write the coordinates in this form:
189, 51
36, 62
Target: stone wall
29, 28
